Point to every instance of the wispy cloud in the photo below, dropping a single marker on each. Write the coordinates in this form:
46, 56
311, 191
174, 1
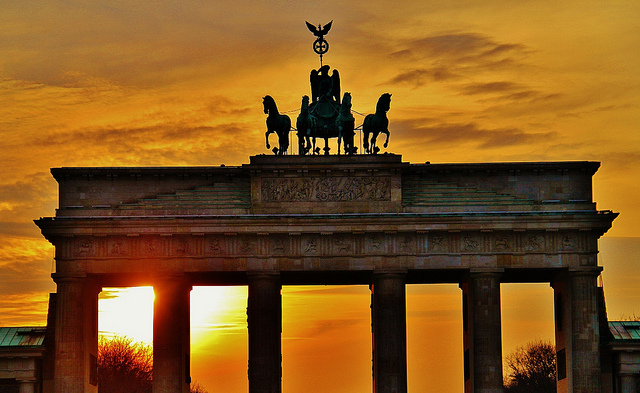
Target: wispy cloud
428, 131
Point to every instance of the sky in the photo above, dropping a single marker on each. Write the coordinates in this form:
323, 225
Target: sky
164, 83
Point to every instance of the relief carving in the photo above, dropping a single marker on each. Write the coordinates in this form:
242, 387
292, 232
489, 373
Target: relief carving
534, 243
331, 189
278, 245
183, 247
343, 246
311, 246
246, 246
151, 246
502, 243
117, 247
568, 243
437, 244
406, 244
469, 243
85, 248
214, 245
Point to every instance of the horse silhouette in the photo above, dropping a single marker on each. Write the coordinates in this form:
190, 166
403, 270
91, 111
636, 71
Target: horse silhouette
280, 124
376, 124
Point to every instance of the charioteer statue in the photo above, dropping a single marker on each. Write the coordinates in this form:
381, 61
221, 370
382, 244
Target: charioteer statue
326, 115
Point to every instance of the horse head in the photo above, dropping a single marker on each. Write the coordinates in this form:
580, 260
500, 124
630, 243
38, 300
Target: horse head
269, 104
384, 103
305, 104
346, 99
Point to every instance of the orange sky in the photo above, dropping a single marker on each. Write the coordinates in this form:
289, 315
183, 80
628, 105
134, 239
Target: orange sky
160, 83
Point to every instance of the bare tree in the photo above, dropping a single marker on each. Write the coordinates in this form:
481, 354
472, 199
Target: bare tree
127, 367
531, 369
195, 387
124, 366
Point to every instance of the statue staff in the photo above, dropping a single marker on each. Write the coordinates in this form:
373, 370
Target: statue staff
320, 45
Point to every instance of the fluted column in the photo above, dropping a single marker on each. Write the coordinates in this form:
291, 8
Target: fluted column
264, 319
389, 331
577, 330
76, 341
171, 336
483, 331
27, 387
585, 334
629, 383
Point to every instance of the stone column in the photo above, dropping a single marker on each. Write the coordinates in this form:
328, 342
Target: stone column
27, 387
264, 319
389, 331
171, 335
483, 331
628, 383
577, 331
585, 331
76, 341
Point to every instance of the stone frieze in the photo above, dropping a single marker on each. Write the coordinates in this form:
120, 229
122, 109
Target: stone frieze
326, 245
326, 189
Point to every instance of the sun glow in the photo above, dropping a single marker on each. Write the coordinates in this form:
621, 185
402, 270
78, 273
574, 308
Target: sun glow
126, 312
129, 312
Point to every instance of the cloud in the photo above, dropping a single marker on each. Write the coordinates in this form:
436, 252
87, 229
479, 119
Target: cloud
420, 77
25, 280
453, 48
28, 197
429, 131
491, 87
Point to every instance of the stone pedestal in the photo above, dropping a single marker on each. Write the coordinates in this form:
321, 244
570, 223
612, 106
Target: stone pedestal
389, 331
483, 332
171, 336
264, 319
76, 336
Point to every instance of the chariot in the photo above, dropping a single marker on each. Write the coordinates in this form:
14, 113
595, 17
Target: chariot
325, 115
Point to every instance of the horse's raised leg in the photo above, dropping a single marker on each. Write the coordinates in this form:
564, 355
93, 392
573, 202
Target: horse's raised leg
266, 136
386, 142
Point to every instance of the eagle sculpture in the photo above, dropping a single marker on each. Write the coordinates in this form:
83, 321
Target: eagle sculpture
319, 31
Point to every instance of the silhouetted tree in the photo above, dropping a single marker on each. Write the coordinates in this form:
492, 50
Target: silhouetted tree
127, 367
195, 387
531, 369
124, 366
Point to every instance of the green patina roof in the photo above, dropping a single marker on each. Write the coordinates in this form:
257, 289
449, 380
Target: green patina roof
625, 330
21, 336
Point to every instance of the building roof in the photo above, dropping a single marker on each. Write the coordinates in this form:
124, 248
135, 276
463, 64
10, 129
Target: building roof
22, 337
625, 330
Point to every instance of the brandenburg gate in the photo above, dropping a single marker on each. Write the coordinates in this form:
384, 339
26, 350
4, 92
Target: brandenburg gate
305, 220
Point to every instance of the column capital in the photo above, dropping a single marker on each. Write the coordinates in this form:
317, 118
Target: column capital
65, 277
263, 274
390, 272
486, 270
585, 271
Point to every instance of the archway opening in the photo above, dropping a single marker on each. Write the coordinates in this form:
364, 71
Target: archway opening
527, 311
434, 338
326, 339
